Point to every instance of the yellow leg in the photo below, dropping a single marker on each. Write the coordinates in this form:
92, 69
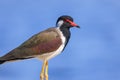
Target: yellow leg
46, 70
42, 71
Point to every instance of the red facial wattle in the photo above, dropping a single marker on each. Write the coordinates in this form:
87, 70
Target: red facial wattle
72, 23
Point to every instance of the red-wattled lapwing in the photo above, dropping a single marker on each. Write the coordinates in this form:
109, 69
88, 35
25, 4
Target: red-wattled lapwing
44, 45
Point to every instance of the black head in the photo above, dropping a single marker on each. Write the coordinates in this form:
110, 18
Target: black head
66, 21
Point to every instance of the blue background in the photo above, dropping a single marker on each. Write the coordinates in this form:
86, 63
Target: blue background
93, 52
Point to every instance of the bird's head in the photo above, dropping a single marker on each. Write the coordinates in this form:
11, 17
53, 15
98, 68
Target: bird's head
66, 21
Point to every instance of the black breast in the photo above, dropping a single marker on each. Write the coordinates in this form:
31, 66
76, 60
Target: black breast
66, 34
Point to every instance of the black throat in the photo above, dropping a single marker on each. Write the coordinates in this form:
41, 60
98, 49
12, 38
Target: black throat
66, 33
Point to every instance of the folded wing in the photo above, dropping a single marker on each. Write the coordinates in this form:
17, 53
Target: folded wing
39, 44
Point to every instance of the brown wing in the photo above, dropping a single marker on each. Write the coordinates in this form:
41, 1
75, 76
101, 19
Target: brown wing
43, 42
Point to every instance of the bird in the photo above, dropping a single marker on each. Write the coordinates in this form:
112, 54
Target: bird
44, 45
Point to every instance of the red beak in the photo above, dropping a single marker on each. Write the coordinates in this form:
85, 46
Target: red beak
72, 23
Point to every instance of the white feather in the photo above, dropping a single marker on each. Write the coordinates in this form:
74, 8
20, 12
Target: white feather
60, 23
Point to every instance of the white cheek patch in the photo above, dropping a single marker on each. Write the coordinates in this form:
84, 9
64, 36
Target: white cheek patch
60, 23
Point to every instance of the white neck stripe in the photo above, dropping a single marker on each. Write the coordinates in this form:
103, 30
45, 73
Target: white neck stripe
60, 23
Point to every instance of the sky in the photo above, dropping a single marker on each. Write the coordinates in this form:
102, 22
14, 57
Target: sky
93, 52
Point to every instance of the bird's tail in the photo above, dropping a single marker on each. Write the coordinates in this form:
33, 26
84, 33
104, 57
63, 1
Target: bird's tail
9, 57
2, 61
14, 55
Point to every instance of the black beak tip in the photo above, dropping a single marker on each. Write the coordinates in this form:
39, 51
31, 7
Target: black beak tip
78, 26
